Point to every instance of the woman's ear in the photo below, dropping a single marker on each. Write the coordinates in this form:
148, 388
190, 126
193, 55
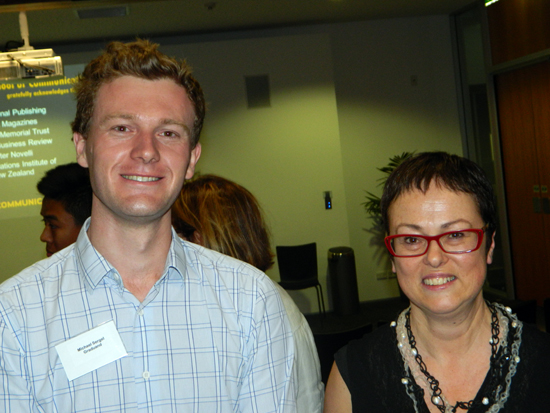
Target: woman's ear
196, 238
491, 250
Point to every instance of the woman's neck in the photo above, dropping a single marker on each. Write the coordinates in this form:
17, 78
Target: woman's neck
451, 335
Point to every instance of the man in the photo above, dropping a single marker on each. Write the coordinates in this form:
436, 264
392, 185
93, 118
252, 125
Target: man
130, 317
66, 205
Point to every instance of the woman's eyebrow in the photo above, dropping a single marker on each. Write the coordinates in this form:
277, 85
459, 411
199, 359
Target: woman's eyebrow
446, 225
456, 221
409, 226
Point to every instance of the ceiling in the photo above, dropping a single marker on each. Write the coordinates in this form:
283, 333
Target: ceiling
51, 23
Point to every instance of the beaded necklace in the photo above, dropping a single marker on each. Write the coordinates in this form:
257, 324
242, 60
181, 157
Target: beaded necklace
503, 363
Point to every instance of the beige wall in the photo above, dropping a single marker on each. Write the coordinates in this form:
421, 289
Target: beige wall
381, 114
287, 154
341, 104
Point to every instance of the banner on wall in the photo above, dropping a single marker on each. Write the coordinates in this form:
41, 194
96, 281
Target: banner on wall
35, 136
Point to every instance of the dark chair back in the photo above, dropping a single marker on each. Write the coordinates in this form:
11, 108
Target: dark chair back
297, 264
298, 269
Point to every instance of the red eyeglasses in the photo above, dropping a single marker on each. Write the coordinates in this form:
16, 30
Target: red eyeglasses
453, 242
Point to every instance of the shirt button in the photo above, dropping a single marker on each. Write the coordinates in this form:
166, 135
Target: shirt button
140, 313
146, 375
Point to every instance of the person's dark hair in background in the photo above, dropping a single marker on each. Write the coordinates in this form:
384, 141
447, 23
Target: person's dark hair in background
70, 185
447, 171
66, 205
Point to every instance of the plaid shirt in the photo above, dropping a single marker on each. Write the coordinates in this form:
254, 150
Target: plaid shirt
211, 336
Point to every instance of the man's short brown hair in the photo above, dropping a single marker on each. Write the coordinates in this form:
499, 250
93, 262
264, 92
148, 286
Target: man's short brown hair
140, 59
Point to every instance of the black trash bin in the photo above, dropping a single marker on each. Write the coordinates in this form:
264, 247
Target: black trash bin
343, 280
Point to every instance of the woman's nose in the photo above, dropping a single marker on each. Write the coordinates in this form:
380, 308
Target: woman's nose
434, 256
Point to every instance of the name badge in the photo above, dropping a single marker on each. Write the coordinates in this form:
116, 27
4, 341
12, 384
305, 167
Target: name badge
91, 350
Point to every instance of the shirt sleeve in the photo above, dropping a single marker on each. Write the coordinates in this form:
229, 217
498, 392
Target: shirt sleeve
269, 382
307, 370
15, 390
307, 367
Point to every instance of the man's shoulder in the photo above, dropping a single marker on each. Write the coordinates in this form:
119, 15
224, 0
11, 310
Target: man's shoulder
205, 264
200, 257
43, 271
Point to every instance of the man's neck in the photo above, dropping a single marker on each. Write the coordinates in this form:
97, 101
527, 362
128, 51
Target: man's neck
137, 251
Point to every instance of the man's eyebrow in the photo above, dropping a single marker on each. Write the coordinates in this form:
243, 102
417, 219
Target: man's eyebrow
49, 218
114, 116
176, 122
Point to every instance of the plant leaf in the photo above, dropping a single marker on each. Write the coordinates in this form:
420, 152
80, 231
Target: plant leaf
372, 205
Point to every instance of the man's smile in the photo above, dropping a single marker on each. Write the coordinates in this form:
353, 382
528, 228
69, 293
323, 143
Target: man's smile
140, 178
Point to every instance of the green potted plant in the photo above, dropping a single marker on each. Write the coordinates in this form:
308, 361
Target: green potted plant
372, 208
372, 205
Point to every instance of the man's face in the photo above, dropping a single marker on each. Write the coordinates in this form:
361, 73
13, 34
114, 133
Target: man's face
139, 148
60, 229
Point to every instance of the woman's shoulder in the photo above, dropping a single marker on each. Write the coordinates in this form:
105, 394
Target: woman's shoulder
535, 336
377, 340
535, 346
375, 350
530, 383
372, 369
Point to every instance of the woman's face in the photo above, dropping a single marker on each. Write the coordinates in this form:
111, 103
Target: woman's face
438, 282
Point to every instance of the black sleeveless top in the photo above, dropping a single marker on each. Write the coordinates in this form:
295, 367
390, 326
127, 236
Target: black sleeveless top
372, 369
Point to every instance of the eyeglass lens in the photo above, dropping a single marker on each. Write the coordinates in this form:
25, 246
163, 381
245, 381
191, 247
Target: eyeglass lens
454, 242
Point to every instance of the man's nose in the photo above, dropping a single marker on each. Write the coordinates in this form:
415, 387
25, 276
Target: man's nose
146, 147
46, 235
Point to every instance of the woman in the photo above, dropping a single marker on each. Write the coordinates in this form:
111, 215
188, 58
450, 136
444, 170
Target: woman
221, 215
450, 351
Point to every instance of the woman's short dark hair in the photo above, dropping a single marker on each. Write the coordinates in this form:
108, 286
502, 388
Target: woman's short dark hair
140, 59
449, 171
227, 218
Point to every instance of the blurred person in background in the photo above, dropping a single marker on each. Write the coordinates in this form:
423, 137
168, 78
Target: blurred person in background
219, 214
66, 205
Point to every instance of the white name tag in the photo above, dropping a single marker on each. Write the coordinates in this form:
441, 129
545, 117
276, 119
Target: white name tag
91, 350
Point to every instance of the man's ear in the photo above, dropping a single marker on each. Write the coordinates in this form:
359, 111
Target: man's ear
195, 155
80, 146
